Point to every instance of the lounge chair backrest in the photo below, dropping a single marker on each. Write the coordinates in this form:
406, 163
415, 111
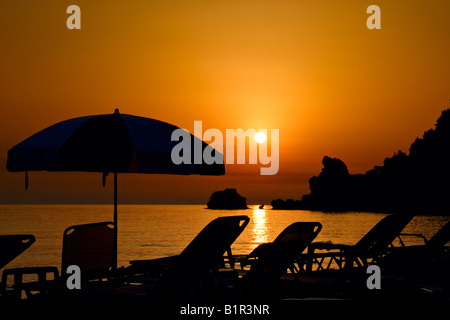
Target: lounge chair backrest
274, 258
89, 246
191, 268
382, 234
13, 245
215, 239
440, 238
293, 240
299, 231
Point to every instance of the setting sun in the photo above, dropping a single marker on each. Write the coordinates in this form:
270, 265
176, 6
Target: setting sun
260, 137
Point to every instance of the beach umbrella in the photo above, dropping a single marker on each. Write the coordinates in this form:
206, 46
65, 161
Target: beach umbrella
110, 143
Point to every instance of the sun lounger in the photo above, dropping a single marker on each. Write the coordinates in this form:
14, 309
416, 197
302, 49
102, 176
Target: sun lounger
370, 249
263, 270
12, 246
420, 257
273, 259
183, 273
88, 246
437, 242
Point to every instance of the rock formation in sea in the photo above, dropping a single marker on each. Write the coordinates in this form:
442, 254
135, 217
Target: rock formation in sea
417, 182
227, 199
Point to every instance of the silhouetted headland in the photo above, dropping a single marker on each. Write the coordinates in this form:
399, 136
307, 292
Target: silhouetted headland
418, 182
227, 199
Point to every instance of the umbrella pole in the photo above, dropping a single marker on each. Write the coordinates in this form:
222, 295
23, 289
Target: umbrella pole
115, 223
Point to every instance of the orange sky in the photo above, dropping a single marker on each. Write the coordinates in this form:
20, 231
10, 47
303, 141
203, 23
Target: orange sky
311, 69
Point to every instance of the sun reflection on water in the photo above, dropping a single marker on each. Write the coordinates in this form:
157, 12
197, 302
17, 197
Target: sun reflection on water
260, 229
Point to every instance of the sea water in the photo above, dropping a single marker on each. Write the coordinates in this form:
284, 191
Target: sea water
153, 231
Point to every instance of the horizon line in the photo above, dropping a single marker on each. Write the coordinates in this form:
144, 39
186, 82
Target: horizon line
101, 203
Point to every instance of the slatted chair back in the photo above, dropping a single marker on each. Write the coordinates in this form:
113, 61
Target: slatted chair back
381, 236
90, 247
274, 258
207, 249
440, 238
12, 246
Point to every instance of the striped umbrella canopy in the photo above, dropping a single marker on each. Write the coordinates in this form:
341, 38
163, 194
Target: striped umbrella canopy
109, 143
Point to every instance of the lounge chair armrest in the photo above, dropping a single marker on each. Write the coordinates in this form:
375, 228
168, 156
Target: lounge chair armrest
18, 274
163, 262
150, 266
327, 246
239, 257
246, 259
242, 259
425, 240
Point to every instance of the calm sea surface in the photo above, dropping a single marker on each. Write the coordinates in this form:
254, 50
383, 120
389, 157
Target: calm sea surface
152, 231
